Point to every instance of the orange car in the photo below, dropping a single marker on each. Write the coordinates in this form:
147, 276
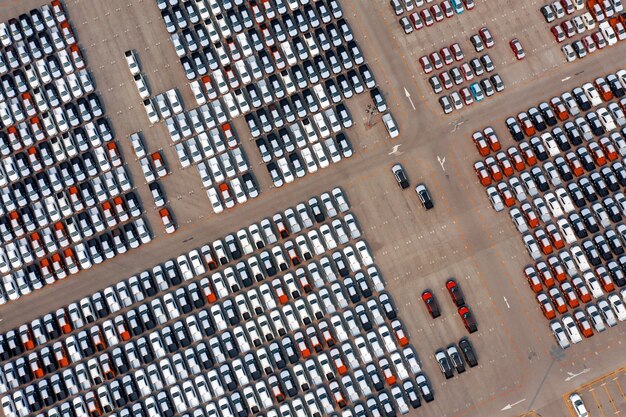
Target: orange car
505, 164
557, 300
60, 354
280, 291
122, 328
528, 154
302, 346
597, 154
340, 366
583, 323
482, 173
63, 321
207, 288
398, 330
545, 274
35, 365
481, 143
544, 242
516, 158
26, 337
494, 168
546, 306
533, 279
557, 268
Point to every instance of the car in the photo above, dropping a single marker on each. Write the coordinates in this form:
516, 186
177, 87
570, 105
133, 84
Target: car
559, 334
455, 292
486, 37
426, 65
166, 218
578, 405
390, 125
431, 304
468, 319
517, 49
424, 196
400, 176
444, 363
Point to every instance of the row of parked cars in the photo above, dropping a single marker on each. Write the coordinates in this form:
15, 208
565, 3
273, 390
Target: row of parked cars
293, 100
429, 15
476, 92
230, 366
230, 249
66, 199
581, 99
568, 203
205, 40
607, 35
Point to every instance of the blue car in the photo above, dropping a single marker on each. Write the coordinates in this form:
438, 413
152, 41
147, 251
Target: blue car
457, 5
477, 92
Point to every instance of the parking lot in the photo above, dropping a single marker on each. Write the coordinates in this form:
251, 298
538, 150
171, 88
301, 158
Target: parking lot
415, 250
603, 396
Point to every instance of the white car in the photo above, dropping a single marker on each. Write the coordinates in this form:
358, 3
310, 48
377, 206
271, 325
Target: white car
578, 405
172, 97
559, 334
361, 247
571, 329
495, 199
153, 116
390, 125
216, 203
142, 86
132, 62
618, 306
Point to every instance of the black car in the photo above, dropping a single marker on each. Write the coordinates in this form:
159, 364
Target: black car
424, 196
411, 393
318, 214
514, 129
400, 175
468, 352
578, 226
444, 363
539, 148
455, 358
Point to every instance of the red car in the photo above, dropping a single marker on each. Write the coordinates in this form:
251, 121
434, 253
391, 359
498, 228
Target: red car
608, 148
436, 60
455, 292
431, 304
570, 295
517, 49
468, 319
426, 65
446, 55
558, 33
486, 37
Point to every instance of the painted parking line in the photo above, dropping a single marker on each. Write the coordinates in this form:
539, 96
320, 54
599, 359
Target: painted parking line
598, 389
